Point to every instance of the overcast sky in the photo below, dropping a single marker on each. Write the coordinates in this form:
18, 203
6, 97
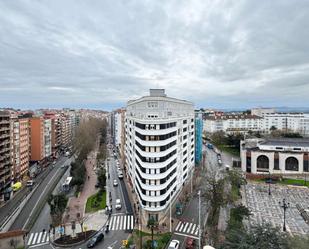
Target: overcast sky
99, 54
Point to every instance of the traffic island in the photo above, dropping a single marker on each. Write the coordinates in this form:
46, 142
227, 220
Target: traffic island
69, 241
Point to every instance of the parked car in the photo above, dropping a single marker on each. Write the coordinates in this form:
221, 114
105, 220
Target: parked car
95, 240
30, 183
210, 146
118, 204
174, 244
115, 183
190, 243
120, 175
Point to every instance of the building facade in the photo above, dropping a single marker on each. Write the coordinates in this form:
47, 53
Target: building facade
159, 150
37, 143
198, 140
275, 156
5, 156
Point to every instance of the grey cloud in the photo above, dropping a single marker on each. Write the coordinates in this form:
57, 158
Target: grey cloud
102, 53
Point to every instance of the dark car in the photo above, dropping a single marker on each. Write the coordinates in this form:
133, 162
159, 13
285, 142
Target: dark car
95, 240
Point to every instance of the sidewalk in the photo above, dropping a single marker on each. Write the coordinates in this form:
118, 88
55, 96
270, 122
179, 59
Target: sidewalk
77, 205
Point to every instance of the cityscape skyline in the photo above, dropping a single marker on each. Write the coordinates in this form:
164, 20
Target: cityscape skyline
101, 55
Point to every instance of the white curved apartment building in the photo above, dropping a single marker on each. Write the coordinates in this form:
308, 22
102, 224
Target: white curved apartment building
159, 149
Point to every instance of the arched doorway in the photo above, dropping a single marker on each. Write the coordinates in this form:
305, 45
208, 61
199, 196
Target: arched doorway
291, 164
262, 164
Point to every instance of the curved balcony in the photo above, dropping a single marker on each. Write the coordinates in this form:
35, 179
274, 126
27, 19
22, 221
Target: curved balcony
156, 142
157, 165
156, 154
155, 132
155, 198
156, 176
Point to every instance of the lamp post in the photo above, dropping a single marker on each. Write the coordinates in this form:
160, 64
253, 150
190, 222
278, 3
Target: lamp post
285, 206
269, 181
170, 211
199, 219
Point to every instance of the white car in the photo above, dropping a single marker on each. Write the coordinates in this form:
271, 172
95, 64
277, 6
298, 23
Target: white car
174, 244
115, 183
118, 204
120, 175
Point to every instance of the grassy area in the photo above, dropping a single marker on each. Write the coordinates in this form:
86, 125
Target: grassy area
288, 181
235, 194
294, 182
96, 202
231, 150
162, 239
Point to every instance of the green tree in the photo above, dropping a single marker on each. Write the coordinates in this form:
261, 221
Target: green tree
263, 236
57, 205
102, 179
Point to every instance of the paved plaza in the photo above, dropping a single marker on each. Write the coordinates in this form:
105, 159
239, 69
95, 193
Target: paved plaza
265, 208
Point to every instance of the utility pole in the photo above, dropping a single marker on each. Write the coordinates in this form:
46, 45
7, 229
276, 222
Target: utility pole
170, 211
269, 181
199, 219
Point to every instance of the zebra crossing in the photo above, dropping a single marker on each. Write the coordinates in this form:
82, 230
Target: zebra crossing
121, 222
39, 238
187, 229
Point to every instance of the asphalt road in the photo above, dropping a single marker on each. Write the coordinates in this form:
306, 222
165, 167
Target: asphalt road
39, 193
189, 217
114, 237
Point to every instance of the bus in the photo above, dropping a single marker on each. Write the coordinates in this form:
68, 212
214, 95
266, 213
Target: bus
66, 185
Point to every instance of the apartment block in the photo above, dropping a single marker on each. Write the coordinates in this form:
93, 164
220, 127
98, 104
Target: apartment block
159, 150
5, 156
37, 142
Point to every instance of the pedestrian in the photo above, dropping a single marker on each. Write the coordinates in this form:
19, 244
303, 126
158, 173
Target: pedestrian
88, 177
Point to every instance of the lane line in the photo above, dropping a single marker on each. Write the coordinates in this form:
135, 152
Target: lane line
46, 243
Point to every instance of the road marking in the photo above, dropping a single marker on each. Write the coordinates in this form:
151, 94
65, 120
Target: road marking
193, 228
125, 222
114, 224
186, 235
39, 237
29, 241
44, 236
189, 228
185, 228
178, 225
132, 222
34, 238
197, 230
121, 222
46, 243
118, 217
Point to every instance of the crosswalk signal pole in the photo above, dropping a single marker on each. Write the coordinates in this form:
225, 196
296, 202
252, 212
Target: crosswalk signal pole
199, 219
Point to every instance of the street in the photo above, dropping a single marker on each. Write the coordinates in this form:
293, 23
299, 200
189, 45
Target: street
189, 223
121, 221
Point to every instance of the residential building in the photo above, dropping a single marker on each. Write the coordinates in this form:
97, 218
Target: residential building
37, 142
159, 150
24, 146
47, 138
233, 123
276, 156
198, 140
262, 111
5, 156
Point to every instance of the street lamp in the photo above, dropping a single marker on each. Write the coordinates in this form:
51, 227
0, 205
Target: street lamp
170, 211
269, 181
285, 206
199, 219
